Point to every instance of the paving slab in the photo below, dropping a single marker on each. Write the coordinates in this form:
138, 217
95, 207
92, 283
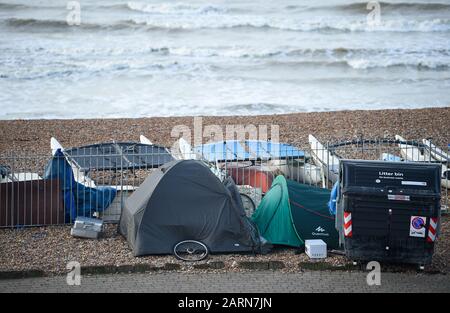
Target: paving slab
252, 281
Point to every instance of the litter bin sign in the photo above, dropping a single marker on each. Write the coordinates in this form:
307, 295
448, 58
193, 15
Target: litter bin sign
389, 211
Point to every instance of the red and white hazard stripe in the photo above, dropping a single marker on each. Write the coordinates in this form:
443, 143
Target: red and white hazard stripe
432, 229
348, 224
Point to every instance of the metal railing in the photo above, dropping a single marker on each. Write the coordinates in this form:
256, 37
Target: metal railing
49, 190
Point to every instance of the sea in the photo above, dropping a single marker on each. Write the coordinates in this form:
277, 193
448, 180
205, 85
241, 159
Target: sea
111, 59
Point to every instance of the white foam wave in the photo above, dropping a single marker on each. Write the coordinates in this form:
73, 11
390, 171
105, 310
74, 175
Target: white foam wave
291, 24
174, 8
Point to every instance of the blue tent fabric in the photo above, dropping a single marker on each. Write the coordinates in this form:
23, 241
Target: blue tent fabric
333, 198
79, 200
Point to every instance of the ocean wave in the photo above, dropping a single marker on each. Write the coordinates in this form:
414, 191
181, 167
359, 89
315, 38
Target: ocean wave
423, 6
368, 64
358, 58
294, 52
31, 22
73, 71
165, 8
142, 7
390, 63
169, 8
41, 24
189, 8
357, 7
339, 25
28, 6
11, 6
237, 22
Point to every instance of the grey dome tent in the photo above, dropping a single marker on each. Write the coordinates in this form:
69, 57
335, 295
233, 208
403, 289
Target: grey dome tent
184, 200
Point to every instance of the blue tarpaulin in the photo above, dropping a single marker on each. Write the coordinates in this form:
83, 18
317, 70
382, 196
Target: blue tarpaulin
333, 198
390, 157
79, 200
234, 150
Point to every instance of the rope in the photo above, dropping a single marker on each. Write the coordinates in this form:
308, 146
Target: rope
311, 211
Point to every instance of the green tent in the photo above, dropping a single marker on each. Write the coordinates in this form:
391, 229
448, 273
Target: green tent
291, 213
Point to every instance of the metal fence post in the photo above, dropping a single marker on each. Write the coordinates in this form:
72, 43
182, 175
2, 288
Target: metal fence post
121, 181
12, 189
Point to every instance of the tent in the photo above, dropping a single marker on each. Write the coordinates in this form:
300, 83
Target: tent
79, 200
291, 213
184, 200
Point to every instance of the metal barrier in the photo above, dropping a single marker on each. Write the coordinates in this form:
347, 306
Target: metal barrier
46, 190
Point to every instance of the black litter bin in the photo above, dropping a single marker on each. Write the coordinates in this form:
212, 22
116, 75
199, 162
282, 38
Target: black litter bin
389, 211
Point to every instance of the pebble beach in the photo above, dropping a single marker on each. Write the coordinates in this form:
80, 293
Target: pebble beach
33, 136
50, 248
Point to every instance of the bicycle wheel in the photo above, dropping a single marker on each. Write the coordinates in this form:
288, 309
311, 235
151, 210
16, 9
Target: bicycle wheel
190, 251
